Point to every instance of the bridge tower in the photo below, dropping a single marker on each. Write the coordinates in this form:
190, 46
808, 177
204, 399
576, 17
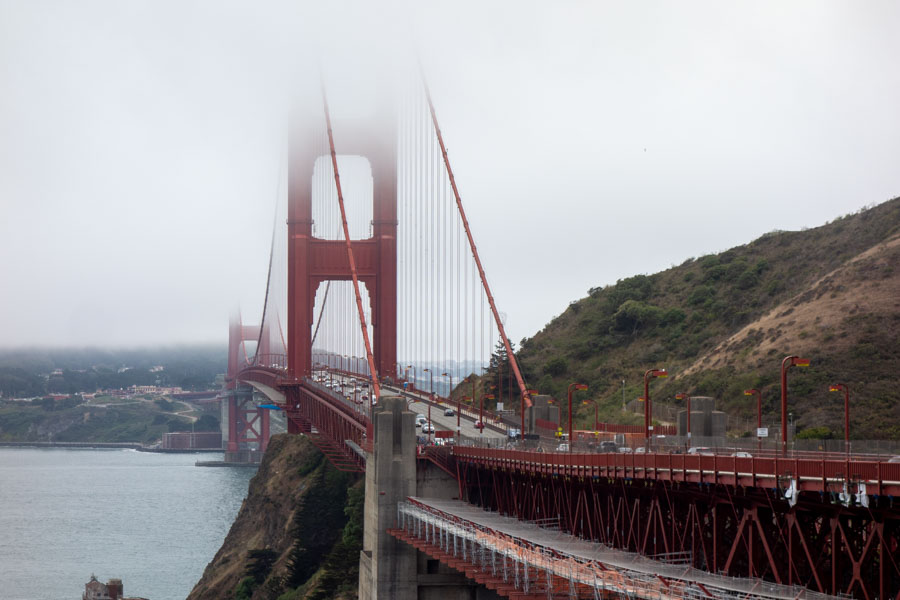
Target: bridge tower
312, 260
246, 422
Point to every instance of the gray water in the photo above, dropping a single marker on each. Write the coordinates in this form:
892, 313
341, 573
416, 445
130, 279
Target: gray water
152, 520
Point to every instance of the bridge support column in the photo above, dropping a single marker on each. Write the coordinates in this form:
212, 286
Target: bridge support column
388, 566
264, 432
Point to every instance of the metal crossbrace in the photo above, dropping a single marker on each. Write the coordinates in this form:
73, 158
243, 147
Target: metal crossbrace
538, 569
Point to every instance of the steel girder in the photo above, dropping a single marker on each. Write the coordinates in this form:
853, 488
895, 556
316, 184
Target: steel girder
818, 543
328, 424
247, 423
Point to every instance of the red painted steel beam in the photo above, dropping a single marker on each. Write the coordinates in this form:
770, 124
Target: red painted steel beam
732, 528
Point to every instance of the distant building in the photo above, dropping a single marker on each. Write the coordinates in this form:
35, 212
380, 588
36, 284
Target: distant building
155, 390
111, 590
94, 590
186, 440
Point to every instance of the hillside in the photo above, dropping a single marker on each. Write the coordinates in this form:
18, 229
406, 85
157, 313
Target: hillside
297, 536
136, 419
722, 323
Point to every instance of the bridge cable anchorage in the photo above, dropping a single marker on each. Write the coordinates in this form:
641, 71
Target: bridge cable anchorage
353, 273
526, 397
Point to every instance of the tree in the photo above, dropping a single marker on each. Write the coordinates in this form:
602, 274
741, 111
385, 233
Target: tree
634, 315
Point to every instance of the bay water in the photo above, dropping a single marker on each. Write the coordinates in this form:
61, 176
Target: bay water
152, 520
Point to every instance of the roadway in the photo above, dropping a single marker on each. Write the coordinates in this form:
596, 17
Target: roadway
418, 405
441, 422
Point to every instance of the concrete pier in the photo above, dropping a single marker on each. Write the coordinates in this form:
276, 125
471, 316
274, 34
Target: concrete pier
388, 568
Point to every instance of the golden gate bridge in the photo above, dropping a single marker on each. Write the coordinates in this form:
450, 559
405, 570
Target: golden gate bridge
374, 275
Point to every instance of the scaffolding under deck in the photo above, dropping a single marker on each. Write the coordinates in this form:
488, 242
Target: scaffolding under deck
529, 560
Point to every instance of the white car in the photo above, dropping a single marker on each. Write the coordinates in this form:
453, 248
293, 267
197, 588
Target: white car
742, 455
427, 428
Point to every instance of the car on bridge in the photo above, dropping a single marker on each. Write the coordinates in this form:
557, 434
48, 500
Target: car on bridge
448, 412
608, 446
428, 428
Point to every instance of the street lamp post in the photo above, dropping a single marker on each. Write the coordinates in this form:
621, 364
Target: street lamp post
840, 387
573, 386
596, 413
648, 411
458, 401
431, 398
684, 396
430, 383
758, 394
481, 411
500, 380
787, 363
415, 375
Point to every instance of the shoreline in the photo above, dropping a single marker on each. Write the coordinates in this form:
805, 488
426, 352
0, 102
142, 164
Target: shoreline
108, 446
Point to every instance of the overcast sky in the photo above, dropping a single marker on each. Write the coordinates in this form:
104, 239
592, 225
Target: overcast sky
141, 143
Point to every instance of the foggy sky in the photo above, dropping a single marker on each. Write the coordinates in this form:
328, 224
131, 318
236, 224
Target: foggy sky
142, 144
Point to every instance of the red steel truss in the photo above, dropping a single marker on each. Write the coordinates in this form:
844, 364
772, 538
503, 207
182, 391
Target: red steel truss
247, 424
340, 432
731, 517
525, 560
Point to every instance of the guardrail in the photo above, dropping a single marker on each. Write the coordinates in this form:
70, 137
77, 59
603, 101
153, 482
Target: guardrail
862, 477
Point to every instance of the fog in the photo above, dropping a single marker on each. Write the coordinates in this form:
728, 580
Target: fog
142, 144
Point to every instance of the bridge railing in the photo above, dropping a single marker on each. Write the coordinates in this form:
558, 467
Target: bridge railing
270, 361
878, 477
361, 408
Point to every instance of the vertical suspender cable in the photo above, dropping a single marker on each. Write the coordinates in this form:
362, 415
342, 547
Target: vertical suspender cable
526, 397
362, 317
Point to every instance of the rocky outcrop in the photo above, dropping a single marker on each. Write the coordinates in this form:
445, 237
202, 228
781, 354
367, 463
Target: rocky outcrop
297, 534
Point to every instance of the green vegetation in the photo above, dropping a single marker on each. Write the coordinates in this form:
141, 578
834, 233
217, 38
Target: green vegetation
685, 315
325, 533
70, 420
815, 433
28, 373
34, 374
